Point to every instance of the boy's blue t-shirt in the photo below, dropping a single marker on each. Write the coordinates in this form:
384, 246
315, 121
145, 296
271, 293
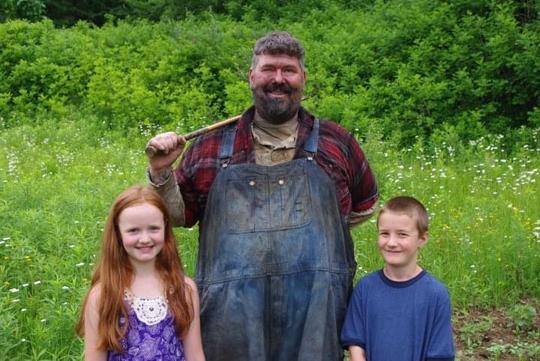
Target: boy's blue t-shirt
405, 321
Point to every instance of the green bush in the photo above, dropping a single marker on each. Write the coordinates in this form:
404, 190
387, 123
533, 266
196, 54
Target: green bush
412, 69
419, 66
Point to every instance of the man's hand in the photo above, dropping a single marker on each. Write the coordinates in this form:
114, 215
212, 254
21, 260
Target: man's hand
168, 148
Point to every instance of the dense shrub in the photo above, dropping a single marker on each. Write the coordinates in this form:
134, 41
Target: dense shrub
406, 70
414, 67
126, 74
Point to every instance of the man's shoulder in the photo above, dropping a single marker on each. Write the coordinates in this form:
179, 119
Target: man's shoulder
212, 135
330, 127
213, 138
207, 145
326, 126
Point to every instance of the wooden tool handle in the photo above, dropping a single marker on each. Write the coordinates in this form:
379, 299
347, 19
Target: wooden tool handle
152, 151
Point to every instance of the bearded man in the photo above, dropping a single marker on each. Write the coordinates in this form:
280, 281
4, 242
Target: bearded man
275, 195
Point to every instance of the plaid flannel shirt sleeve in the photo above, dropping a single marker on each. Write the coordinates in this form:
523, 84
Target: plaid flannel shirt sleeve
342, 158
167, 187
196, 173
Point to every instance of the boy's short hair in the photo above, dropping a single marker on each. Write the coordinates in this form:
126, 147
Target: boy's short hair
278, 43
409, 206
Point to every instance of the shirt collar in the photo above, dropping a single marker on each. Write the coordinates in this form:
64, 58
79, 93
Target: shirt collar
305, 124
277, 136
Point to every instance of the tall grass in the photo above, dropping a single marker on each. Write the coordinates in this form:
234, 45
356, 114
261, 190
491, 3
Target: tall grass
58, 178
484, 208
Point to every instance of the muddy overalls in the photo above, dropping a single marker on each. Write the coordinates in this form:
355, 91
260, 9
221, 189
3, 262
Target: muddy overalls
275, 262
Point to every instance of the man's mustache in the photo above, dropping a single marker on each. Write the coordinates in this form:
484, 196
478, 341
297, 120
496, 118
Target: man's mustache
281, 87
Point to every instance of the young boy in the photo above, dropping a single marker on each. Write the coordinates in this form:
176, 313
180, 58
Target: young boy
399, 313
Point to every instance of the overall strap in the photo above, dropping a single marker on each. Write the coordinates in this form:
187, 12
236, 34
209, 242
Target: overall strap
229, 134
227, 145
313, 140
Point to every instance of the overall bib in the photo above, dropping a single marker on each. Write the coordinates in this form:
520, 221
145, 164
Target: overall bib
275, 263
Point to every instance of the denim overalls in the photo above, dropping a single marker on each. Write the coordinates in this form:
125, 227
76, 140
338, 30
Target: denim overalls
275, 262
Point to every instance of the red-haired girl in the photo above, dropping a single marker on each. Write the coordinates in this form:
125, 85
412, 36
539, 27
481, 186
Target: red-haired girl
140, 305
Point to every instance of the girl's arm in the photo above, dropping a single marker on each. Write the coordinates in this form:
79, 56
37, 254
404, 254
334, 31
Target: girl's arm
192, 340
91, 320
357, 353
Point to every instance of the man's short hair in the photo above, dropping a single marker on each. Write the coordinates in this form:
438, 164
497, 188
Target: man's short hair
278, 43
409, 206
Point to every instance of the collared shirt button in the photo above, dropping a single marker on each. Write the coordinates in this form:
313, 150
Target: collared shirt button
252, 183
281, 181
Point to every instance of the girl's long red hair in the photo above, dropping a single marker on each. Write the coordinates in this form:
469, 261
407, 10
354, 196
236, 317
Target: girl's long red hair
114, 274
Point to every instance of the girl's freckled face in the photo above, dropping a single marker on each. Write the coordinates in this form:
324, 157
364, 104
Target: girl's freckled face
142, 229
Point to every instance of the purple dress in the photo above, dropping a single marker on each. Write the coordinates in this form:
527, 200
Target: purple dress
151, 334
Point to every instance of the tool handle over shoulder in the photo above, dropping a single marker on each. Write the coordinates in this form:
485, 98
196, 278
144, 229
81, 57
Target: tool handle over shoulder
152, 151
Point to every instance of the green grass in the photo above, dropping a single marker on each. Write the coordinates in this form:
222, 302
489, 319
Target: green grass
484, 216
58, 178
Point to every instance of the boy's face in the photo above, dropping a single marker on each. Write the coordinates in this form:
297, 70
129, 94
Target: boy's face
399, 239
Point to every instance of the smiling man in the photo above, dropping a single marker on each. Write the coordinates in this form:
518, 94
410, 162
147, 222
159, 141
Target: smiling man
274, 195
277, 83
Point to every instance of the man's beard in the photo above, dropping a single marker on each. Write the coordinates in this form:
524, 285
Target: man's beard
277, 110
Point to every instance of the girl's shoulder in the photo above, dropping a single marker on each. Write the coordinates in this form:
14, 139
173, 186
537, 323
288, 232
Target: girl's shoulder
94, 294
192, 285
191, 290
91, 305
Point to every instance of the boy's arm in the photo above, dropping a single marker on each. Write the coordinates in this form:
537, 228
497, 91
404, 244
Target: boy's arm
441, 347
356, 353
352, 332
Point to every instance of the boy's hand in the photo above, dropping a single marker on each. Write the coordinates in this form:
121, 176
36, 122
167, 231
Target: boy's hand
357, 353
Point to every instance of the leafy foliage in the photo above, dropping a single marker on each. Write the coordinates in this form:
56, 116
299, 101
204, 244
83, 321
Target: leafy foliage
68, 12
411, 70
22, 9
435, 90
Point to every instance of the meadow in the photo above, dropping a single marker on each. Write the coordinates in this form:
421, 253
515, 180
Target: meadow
443, 97
58, 180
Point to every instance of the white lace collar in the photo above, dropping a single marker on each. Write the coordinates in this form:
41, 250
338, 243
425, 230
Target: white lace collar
150, 311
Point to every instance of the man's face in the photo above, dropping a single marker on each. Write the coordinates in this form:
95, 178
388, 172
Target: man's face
277, 84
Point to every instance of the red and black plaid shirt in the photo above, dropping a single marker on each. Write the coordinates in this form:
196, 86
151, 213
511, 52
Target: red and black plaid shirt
339, 155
